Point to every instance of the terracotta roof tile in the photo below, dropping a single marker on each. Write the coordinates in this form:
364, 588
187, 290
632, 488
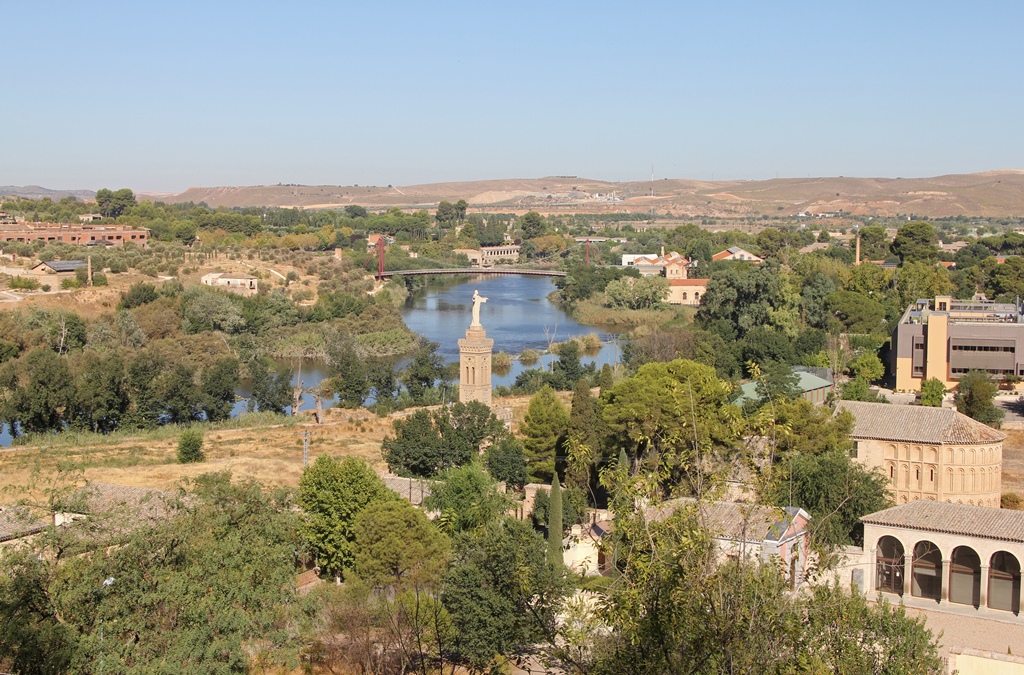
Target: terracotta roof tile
16, 521
962, 519
735, 521
917, 424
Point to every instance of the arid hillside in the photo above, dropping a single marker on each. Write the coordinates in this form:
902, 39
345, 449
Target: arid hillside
991, 194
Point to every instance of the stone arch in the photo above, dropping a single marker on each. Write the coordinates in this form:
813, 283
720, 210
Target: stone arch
926, 579
974, 481
904, 475
684, 295
889, 565
933, 455
949, 480
965, 576
1004, 582
963, 481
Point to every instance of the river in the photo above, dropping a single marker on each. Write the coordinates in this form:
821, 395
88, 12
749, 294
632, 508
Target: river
517, 316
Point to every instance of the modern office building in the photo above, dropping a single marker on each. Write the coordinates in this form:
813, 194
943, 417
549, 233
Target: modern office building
945, 338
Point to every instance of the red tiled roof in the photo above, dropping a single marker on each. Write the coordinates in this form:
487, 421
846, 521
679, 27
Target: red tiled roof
917, 424
688, 282
962, 519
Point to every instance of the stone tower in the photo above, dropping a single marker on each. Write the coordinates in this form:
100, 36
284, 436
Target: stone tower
475, 360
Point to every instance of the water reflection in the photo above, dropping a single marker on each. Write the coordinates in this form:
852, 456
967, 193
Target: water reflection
517, 316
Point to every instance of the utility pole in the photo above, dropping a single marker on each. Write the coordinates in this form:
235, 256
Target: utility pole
305, 448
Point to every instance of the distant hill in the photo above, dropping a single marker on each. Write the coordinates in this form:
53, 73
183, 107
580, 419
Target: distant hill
37, 192
990, 194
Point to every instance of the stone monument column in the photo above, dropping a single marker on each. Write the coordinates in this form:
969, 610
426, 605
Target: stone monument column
475, 359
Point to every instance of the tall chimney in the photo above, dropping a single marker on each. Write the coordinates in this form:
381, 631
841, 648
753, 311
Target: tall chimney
662, 251
88, 269
857, 259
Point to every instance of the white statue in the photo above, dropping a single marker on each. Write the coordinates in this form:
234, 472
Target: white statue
477, 301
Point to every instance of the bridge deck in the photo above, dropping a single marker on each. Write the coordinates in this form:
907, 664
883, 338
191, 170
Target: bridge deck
479, 270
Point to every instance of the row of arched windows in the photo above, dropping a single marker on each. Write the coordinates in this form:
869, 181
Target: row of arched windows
961, 455
962, 580
961, 481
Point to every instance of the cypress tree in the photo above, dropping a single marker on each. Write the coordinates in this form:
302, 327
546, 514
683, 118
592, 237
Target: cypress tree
607, 380
555, 524
583, 420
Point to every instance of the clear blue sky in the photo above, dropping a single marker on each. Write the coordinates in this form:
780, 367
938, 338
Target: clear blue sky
167, 95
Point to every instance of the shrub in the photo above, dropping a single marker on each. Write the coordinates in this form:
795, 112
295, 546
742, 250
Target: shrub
70, 283
1012, 500
99, 279
45, 288
24, 283
190, 447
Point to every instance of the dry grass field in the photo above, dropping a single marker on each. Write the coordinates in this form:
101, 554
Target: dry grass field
270, 454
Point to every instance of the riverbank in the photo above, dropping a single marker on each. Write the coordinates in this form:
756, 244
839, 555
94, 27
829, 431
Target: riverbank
263, 447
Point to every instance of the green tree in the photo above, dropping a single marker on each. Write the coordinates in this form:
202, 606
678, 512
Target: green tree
446, 213
542, 429
676, 609
636, 293
506, 462
933, 391
532, 225
744, 296
857, 390
271, 391
396, 545
836, 491
669, 412
426, 443
42, 396
426, 368
916, 242
219, 383
139, 294
113, 204
867, 366
814, 294
555, 525
332, 494
178, 394
499, 591
348, 374
857, 312
874, 243
101, 393
190, 447
584, 419
974, 397
208, 587
467, 498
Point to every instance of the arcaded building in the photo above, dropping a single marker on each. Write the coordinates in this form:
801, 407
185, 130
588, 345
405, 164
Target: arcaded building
946, 553
945, 338
933, 454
